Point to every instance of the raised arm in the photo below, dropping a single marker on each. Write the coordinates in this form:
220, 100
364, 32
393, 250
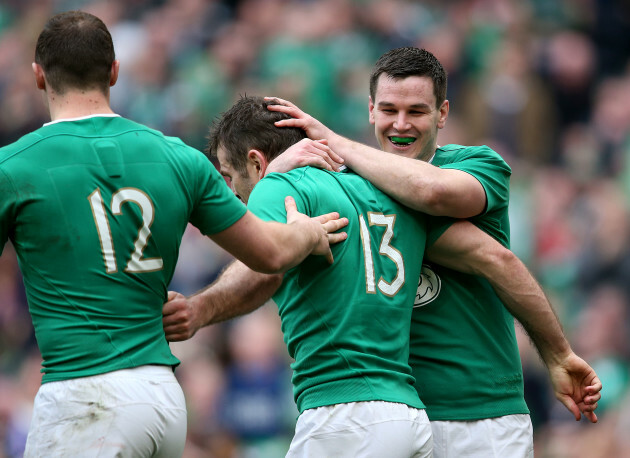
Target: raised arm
466, 248
272, 247
237, 291
414, 183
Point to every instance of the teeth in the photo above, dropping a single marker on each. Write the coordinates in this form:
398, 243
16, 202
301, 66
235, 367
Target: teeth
402, 140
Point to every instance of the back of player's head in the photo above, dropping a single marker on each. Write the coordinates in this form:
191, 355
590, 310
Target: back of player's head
250, 125
76, 51
409, 61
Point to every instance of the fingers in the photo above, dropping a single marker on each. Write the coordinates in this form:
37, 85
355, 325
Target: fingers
591, 416
571, 406
329, 257
290, 206
337, 237
323, 219
279, 102
335, 224
172, 295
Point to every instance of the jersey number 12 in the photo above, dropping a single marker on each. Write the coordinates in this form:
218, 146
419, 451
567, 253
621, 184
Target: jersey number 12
136, 263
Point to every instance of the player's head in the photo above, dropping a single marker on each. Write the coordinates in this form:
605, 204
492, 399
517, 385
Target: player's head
75, 51
244, 140
408, 101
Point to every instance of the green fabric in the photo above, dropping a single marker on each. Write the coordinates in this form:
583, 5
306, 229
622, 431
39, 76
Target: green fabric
349, 339
463, 349
98, 307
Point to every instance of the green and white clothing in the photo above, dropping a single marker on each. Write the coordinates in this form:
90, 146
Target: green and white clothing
96, 208
347, 324
463, 348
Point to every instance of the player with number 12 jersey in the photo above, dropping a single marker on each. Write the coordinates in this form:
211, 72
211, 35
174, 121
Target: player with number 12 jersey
100, 204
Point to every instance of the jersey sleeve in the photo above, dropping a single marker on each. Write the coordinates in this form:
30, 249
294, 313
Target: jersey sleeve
489, 168
216, 207
267, 199
7, 208
436, 226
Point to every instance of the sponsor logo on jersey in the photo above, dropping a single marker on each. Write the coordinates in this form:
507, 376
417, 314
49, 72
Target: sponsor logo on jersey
428, 287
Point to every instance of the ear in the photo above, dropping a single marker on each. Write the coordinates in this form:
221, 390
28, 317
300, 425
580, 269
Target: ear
40, 79
257, 162
443, 114
114, 73
371, 109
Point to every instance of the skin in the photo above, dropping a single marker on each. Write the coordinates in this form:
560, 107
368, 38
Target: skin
407, 108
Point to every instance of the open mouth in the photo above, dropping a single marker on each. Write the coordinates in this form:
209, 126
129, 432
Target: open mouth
402, 141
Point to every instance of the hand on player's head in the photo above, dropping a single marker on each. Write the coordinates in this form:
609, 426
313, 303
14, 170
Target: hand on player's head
313, 128
306, 152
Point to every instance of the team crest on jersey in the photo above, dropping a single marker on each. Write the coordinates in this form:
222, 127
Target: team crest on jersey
428, 287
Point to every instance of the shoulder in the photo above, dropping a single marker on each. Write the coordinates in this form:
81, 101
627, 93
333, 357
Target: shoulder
470, 156
25, 143
455, 152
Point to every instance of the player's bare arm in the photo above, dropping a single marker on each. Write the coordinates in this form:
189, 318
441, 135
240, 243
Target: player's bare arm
415, 183
272, 247
468, 249
237, 291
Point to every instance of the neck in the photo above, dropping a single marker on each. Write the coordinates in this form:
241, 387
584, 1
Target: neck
77, 103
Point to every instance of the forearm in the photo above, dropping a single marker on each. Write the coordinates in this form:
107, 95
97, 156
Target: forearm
415, 183
526, 301
238, 291
466, 248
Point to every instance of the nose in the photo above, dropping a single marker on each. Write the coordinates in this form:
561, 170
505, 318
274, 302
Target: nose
401, 122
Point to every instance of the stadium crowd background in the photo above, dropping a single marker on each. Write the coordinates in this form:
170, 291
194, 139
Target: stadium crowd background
546, 83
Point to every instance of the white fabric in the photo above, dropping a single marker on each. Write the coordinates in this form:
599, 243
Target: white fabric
502, 437
362, 429
137, 413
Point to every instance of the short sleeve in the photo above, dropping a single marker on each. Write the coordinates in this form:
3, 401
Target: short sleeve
436, 226
267, 199
215, 207
489, 168
7, 208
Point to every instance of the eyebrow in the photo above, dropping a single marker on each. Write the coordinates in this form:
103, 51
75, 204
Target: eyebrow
415, 105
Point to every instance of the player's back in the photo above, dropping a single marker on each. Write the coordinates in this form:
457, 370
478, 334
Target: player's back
99, 206
346, 324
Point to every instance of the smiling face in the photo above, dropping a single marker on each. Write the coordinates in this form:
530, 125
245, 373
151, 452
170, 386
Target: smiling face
405, 116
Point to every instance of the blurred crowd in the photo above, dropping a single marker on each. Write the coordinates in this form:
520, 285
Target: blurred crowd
546, 83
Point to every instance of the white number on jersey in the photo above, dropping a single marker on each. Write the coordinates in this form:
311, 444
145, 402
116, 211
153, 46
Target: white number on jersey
387, 221
136, 263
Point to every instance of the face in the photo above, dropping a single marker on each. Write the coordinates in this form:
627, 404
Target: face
240, 184
406, 120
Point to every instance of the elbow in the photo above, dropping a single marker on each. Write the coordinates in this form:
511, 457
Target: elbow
501, 258
272, 261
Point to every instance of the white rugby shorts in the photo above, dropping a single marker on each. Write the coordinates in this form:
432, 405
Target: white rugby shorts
362, 429
139, 412
508, 436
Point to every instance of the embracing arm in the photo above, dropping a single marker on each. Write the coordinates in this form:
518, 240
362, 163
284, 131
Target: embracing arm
466, 248
238, 291
271, 247
414, 183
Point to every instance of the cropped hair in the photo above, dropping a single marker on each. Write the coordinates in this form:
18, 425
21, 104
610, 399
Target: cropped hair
408, 61
248, 125
76, 51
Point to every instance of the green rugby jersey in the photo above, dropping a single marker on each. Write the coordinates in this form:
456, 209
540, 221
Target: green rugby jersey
96, 208
347, 324
463, 351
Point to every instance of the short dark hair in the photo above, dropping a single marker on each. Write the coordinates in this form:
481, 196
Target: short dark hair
410, 61
250, 125
76, 51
